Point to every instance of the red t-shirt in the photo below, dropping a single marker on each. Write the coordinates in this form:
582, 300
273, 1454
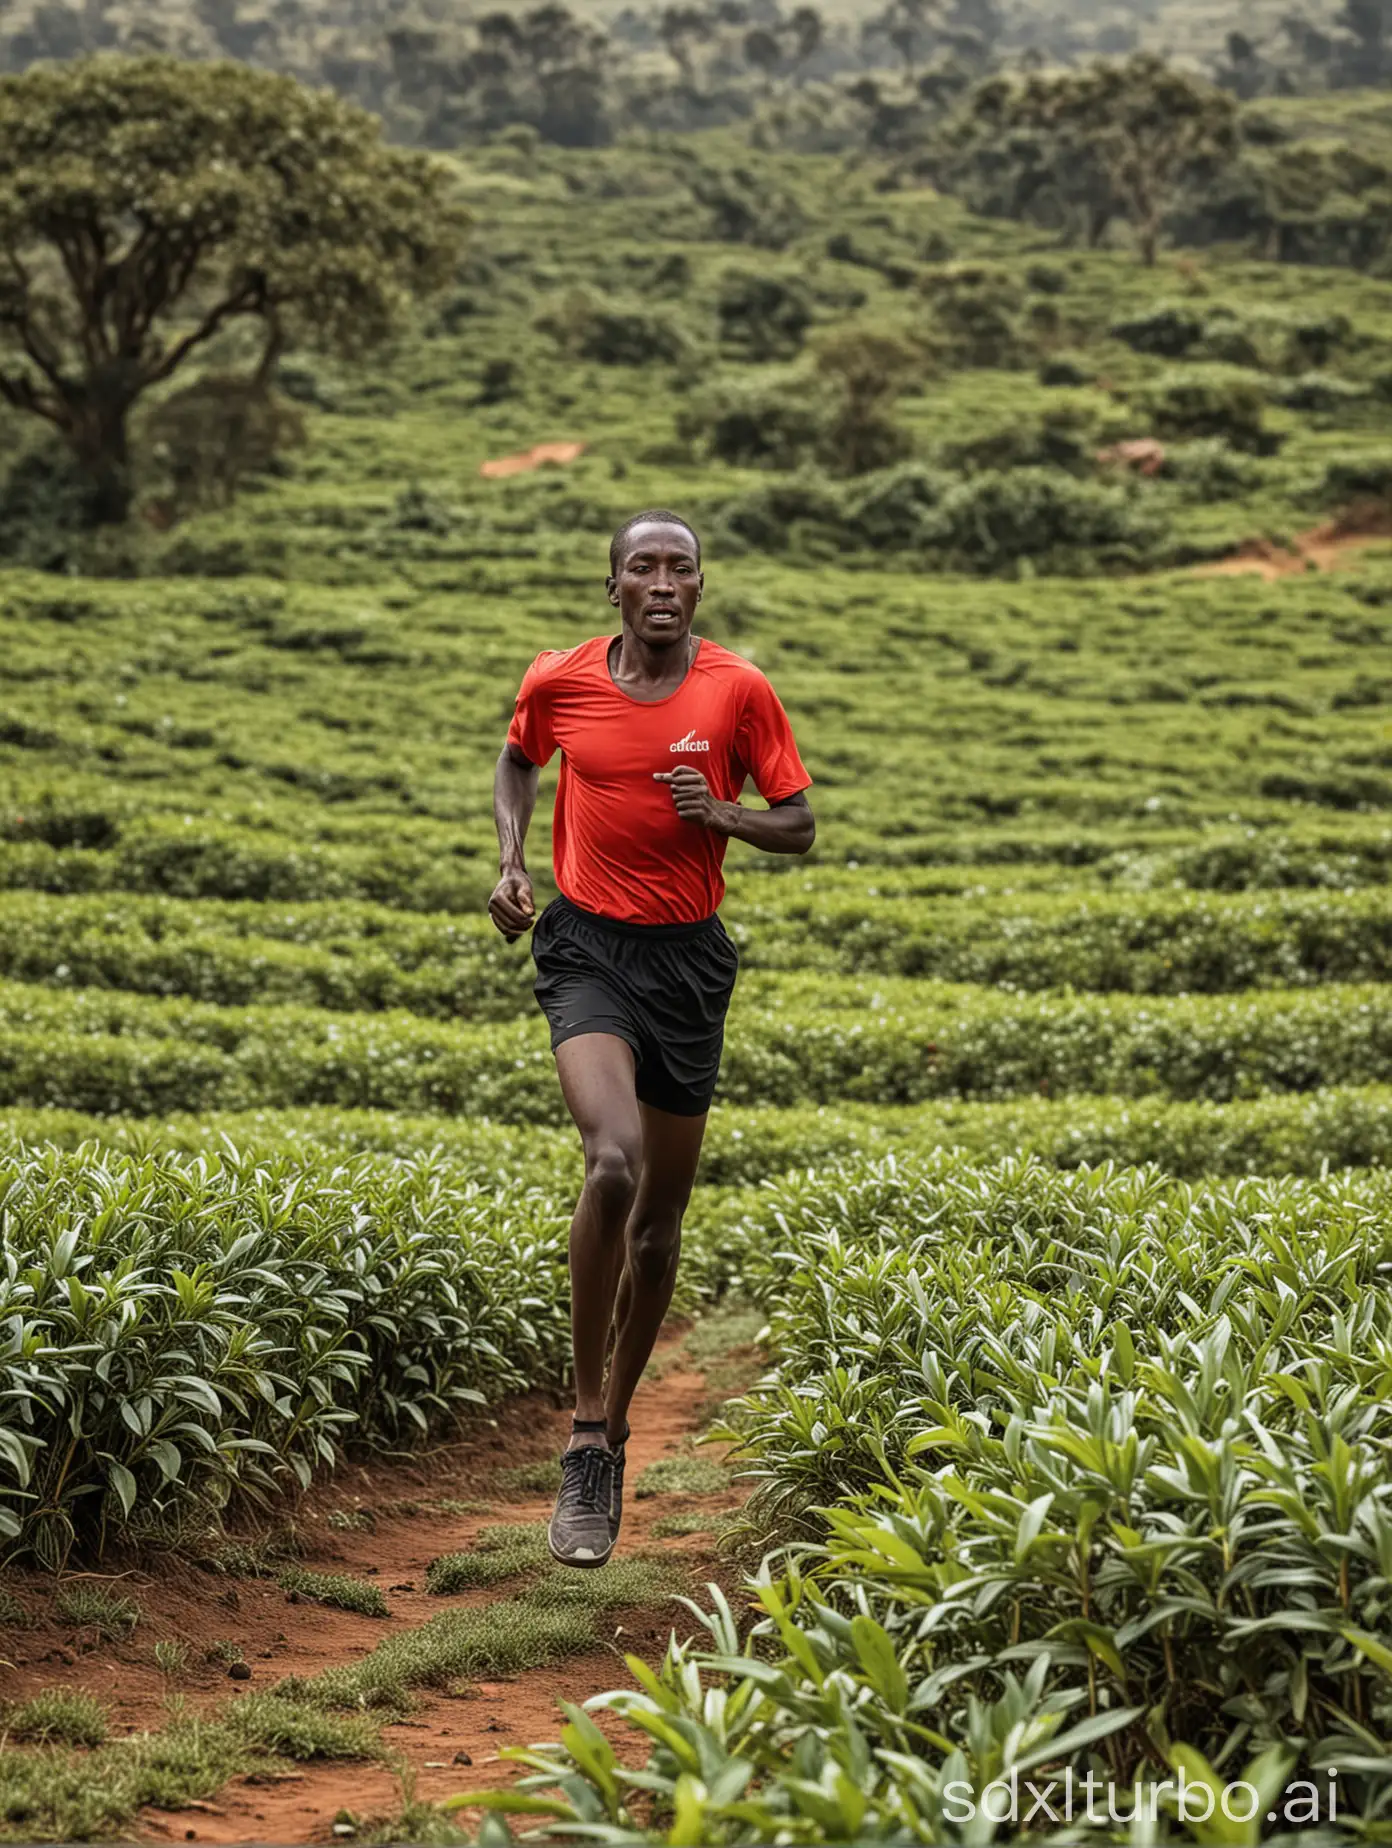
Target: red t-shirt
621, 849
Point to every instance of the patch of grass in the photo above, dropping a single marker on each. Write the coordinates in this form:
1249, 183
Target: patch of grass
48, 1795
671, 1526
13, 1615
623, 1583
449, 1505
58, 1716
339, 1589
171, 1657
224, 1651
552, 1619
681, 1476
716, 1336
498, 1553
88, 1607
540, 1478
292, 1729
352, 1520
415, 1821
261, 1558
418, 1823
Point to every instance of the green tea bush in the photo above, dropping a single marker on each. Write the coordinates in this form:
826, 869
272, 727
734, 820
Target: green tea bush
179, 1332
335, 954
1153, 943
891, 507
1168, 330
995, 519
1063, 436
768, 421
745, 206
761, 316
976, 310
167, 854
1206, 401
1208, 470
1030, 1420
788, 516
1336, 1126
1346, 477
590, 327
1258, 862
1321, 392
797, 1038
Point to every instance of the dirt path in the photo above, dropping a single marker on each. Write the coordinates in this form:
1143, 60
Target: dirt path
386, 1524
1323, 548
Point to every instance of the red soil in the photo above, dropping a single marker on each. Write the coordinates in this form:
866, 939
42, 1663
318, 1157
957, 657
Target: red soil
279, 1638
528, 459
1323, 548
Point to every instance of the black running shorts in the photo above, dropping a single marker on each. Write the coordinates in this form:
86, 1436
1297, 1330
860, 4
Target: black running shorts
664, 988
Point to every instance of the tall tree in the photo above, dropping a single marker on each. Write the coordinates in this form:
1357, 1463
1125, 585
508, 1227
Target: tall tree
907, 25
763, 52
683, 29
806, 32
146, 205
1368, 24
1115, 138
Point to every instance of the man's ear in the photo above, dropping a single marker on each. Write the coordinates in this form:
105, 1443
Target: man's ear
700, 585
611, 588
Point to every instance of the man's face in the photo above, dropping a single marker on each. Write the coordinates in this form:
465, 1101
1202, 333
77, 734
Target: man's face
658, 583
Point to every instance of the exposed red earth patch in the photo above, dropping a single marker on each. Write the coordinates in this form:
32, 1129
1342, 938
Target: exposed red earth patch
1322, 548
279, 1638
555, 454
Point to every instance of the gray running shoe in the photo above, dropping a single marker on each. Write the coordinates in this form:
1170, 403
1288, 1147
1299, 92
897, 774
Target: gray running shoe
581, 1533
619, 1455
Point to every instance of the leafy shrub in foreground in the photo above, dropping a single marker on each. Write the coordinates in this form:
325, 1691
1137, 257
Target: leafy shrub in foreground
177, 1332
1090, 1491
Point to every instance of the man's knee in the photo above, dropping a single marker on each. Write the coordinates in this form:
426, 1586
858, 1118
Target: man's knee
654, 1245
611, 1172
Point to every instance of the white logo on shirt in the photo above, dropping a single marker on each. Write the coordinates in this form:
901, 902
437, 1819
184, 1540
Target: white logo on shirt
691, 743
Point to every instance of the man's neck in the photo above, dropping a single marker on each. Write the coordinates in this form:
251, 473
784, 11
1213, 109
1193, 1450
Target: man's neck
641, 663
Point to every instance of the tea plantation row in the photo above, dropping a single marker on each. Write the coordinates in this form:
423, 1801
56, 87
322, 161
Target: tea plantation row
448, 967
1098, 1471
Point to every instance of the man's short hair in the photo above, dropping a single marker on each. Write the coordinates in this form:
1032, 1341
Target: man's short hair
654, 516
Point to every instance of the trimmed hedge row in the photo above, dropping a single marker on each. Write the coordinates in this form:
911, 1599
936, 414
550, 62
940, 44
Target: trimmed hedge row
794, 1039
1343, 1126
354, 956
175, 1331
1137, 942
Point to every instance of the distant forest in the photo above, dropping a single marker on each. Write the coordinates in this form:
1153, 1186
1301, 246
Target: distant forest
879, 74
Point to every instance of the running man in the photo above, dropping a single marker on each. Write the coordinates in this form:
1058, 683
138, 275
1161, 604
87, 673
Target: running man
658, 730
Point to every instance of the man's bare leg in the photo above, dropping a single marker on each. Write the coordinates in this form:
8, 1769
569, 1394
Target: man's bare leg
596, 1074
652, 1246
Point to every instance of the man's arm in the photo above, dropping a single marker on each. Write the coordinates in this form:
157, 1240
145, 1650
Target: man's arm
512, 906
784, 827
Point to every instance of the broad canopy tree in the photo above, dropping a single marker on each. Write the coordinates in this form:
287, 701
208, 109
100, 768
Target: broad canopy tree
146, 205
1107, 140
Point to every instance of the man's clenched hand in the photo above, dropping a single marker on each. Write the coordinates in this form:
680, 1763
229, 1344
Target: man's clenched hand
512, 907
694, 801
